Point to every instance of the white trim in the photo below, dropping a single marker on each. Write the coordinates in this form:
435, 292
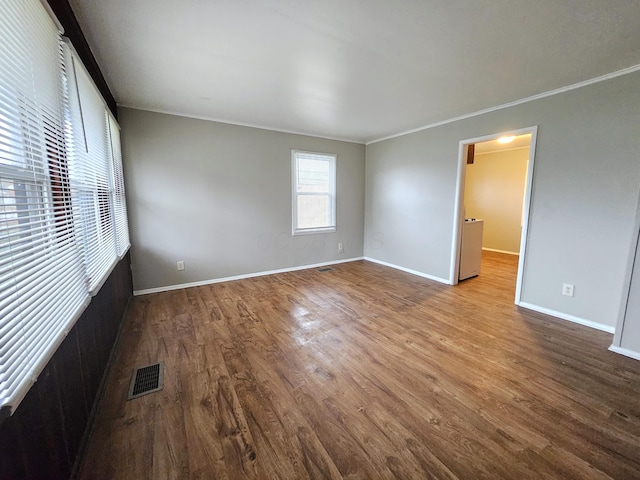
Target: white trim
628, 279
124, 253
549, 93
240, 277
498, 150
625, 351
458, 210
332, 158
566, 316
98, 286
313, 231
526, 213
408, 270
500, 251
458, 213
239, 124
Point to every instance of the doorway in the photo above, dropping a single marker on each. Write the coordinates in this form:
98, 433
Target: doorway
466, 154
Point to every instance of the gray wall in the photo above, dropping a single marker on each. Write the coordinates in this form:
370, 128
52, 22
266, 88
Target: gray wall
585, 186
218, 196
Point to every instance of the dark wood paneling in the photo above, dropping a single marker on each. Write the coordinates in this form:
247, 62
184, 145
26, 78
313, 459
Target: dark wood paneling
74, 406
471, 151
44, 436
72, 31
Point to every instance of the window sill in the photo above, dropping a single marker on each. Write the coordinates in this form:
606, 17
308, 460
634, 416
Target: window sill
312, 231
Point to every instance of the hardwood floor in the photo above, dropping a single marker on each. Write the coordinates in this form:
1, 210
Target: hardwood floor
365, 372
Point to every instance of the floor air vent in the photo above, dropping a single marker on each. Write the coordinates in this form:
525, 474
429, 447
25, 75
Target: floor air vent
146, 380
325, 269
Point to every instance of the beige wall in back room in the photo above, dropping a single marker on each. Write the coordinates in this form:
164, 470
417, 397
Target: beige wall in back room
494, 191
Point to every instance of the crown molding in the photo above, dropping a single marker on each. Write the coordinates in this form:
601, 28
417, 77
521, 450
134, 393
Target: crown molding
602, 78
239, 124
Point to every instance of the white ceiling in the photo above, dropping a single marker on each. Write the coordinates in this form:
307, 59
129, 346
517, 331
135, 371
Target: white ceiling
351, 69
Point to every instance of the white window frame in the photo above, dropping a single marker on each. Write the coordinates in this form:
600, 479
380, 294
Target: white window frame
332, 158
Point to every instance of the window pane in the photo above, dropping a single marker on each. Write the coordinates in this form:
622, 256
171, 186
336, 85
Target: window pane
313, 175
314, 192
314, 211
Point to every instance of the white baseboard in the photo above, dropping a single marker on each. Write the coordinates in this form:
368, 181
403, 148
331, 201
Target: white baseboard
529, 306
566, 316
408, 270
625, 351
500, 251
240, 277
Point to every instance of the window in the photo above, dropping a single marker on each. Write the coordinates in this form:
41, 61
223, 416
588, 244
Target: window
91, 172
42, 281
118, 199
63, 220
314, 192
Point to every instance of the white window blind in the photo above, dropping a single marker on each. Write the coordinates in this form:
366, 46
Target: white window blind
63, 221
91, 173
314, 192
119, 199
42, 281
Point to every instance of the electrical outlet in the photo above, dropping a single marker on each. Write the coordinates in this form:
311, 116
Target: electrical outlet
180, 265
567, 289
340, 248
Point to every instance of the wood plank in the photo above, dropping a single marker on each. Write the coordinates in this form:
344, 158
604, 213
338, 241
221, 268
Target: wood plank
366, 372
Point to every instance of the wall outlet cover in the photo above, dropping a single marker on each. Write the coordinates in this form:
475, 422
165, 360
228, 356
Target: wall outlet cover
567, 289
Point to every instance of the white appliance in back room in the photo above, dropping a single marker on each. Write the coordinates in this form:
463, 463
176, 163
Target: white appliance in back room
471, 248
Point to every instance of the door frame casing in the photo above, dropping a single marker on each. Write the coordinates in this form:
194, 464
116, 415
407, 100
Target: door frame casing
630, 272
458, 212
